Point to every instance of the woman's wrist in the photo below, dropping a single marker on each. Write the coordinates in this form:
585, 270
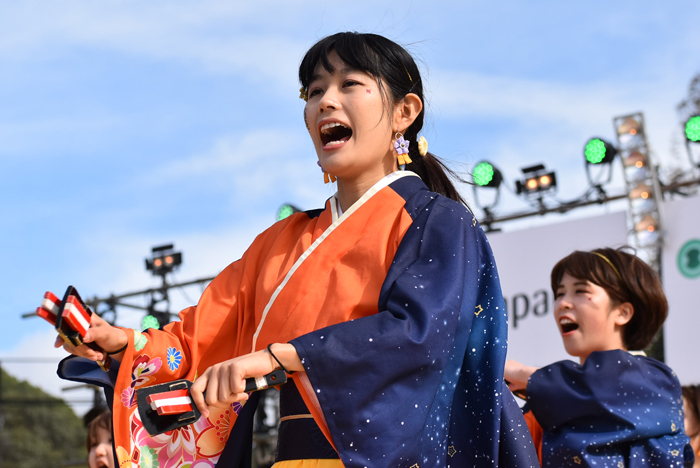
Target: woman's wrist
287, 355
119, 345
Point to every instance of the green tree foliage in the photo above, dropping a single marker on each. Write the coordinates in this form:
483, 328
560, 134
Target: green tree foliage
37, 429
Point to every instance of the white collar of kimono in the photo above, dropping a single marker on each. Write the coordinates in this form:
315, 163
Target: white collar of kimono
337, 221
388, 179
638, 353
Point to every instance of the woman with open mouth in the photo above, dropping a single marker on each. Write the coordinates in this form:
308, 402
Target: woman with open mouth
617, 408
384, 307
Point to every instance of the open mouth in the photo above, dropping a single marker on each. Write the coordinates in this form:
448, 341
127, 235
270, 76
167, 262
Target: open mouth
567, 325
334, 134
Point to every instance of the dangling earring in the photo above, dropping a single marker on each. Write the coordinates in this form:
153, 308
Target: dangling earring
326, 176
401, 147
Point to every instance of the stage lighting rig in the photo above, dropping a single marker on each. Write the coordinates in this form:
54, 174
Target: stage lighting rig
163, 260
648, 223
286, 211
692, 135
642, 184
486, 175
635, 159
598, 152
536, 182
692, 129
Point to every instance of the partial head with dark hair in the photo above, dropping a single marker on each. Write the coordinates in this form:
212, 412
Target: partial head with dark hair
626, 279
99, 441
397, 77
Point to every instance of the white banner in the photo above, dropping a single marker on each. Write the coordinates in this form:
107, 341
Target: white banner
525, 259
680, 269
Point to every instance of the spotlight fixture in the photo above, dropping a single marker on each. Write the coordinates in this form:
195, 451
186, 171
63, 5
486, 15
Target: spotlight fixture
487, 175
642, 191
536, 181
647, 223
692, 129
630, 126
286, 211
163, 260
635, 159
599, 151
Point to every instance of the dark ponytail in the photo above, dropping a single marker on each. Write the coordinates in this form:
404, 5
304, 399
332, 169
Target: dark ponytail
398, 75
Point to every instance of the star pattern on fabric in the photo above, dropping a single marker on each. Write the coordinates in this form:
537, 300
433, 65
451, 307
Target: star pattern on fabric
577, 460
620, 465
473, 222
675, 453
415, 466
451, 451
673, 427
479, 310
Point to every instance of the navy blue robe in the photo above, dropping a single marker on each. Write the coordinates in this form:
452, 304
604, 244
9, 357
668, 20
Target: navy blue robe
617, 410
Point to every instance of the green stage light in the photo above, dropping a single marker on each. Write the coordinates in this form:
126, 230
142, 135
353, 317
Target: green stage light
483, 174
149, 321
595, 151
599, 151
487, 175
692, 128
286, 211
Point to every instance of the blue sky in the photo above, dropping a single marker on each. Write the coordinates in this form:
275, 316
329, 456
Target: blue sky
125, 125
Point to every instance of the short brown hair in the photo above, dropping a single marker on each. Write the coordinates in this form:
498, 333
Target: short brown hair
103, 420
626, 279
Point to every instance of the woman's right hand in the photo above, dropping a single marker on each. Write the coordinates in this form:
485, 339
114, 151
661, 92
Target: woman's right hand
103, 334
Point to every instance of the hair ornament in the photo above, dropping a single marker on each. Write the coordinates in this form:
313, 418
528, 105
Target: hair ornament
617, 272
401, 147
409, 75
422, 146
303, 93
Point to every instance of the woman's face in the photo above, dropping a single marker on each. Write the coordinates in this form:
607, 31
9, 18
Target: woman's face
586, 317
100, 455
349, 123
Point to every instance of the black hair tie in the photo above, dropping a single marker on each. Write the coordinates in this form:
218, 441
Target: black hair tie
123, 348
269, 350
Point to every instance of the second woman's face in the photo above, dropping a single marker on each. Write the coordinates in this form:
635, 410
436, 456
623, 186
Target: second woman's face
588, 320
349, 123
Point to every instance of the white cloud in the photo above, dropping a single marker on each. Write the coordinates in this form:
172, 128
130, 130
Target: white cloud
257, 165
550, 111
209, 33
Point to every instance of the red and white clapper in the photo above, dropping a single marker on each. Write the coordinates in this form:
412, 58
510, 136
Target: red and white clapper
168, 406
49, 308
172, 402
71, 318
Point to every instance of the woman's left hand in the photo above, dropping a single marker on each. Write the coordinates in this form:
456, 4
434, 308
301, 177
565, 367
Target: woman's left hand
225, 382
517, 375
